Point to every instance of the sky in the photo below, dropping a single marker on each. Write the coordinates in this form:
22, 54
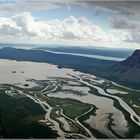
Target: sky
114, 24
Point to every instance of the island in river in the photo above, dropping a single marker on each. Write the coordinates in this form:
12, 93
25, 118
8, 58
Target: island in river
64, 103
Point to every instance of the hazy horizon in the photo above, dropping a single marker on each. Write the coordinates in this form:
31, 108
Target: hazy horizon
53, 46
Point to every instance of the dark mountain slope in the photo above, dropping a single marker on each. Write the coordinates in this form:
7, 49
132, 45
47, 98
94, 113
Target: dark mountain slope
133, 61
127, 72
120, 53
84, 64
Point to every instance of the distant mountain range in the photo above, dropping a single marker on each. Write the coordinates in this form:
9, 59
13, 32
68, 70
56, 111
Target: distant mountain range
62, 60
120, 53
126, 72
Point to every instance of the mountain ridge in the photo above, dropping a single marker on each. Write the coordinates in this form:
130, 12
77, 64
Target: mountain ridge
133, 60
62, 60
126, 72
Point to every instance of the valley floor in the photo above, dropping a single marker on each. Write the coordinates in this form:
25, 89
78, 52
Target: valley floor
40, 100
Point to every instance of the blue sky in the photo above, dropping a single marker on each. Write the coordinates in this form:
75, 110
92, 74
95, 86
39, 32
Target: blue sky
74, 22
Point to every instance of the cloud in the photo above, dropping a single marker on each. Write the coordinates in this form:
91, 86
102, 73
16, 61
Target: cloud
27, 24
128, 29
71, 29
121, 7
13, 6
121, 22
24, 25
134, 36
8, 27
9, 30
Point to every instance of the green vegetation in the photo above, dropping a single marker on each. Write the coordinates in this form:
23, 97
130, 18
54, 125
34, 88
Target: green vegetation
71, 108
73, 127
21, 115
20, 118
132, 98
133, 127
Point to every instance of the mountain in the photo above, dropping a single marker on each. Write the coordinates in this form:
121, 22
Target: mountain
115, 52
133, 61
127, 71
84, 64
